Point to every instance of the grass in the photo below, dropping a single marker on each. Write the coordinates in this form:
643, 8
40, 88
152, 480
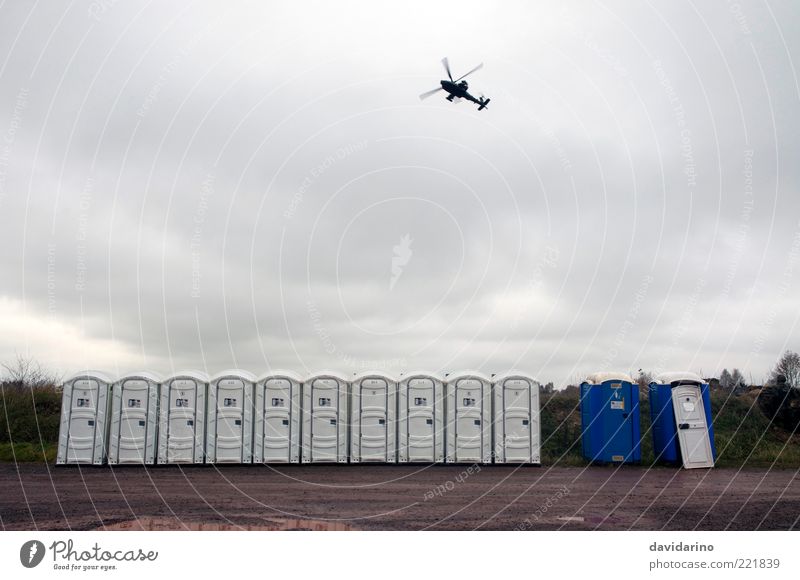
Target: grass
28, 452
745, 437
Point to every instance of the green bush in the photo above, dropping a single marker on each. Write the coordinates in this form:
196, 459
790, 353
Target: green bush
782, 404
561, 427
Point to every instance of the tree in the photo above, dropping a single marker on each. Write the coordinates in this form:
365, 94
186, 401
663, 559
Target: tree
644, 379
788, 367
732, 381
737, 379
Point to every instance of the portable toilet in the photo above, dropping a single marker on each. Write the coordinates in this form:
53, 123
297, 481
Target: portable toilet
516, 425
420, 418
134, 419
469, 418
324, 419
276, 424
182, 418
85, 410
373, 407
610, 418
229, 421
680, 410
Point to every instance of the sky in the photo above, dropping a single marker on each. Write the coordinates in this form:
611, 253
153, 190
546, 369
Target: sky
257, 185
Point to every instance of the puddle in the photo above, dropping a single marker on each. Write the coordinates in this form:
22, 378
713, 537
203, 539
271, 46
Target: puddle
267, 524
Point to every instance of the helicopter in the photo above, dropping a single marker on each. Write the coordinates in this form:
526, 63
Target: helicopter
458, 88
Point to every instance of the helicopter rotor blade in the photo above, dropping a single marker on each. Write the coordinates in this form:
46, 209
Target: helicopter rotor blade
424, 96
480, 66
446, 64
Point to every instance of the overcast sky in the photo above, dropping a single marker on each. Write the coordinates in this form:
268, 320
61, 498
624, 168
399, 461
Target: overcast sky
257, 185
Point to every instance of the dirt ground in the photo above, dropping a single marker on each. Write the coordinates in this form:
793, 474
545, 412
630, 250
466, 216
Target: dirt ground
382, 497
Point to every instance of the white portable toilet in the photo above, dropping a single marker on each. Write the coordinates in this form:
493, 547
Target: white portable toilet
134, 414
182, 418
85, 410
682, 425
517, 428
469, 418
324, 418
229, 422
373, 405
420, 418
276, 424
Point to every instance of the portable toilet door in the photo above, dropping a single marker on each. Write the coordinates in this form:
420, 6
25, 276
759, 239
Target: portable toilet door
373, 403
85, 407
324, 419
229, 423
134, 419
182, 418
420, 418
517, 428
469, 429
276, 424
692, 429
681, 413
610, 419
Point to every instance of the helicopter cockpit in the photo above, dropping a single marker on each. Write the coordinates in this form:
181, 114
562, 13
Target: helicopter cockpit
463, 85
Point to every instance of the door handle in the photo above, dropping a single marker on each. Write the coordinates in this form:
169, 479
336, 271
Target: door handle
683, 426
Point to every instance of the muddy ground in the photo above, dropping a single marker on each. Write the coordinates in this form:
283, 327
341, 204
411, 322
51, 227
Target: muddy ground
381, 497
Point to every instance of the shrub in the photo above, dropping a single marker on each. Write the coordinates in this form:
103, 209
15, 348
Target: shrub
29, 414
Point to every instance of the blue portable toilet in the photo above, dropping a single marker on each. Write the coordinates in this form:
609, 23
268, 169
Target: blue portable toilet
680, 411
610, 419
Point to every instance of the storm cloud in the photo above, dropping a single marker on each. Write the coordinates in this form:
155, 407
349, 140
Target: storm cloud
257, 185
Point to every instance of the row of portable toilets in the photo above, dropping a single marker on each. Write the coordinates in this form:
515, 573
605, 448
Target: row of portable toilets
680, 416
235, 417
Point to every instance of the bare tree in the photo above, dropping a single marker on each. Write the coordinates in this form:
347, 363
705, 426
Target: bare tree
788, 367
739, 384
25, 372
